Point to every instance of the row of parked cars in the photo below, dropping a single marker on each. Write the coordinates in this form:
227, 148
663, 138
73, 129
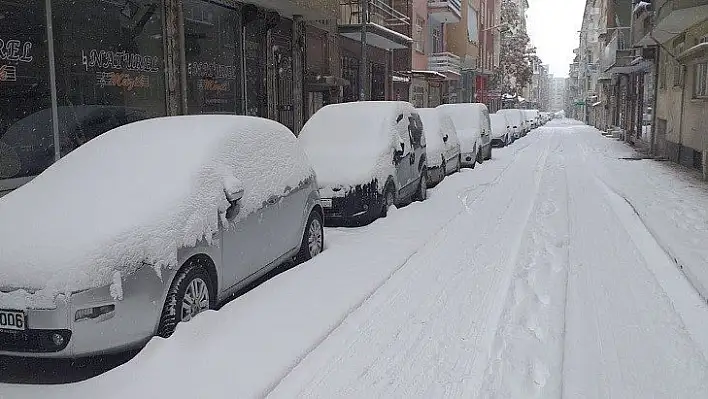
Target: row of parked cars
156, 221
371, 155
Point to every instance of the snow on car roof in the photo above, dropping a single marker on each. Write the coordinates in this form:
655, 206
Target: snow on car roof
351, 143
137, 193
499, 122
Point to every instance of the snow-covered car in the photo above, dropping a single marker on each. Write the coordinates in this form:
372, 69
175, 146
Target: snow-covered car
368, 156
532, 118
473, 129
516, 121
442, 146
501, 130
148, 225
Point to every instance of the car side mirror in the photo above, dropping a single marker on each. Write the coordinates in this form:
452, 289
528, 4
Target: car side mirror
445, 138
399, 153
234, 197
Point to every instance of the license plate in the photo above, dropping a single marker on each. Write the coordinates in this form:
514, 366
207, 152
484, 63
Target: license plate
326, 202
12, 320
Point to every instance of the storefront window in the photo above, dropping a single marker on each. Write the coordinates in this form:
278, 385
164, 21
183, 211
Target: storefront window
213, 71
110, 65
26, 138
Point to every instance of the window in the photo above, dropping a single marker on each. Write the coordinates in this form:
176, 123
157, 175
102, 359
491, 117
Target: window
677, 67
662, 75
26, 134
418, 39
211, 48
700, 80
109, 63
436, 39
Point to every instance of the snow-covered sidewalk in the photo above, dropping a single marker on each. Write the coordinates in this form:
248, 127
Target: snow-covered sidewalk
529, 276
669, 199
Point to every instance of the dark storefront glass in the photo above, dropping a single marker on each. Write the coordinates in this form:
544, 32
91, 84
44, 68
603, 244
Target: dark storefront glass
256, 69
378, 82
110, 65
350, 72
212, 47
26, 138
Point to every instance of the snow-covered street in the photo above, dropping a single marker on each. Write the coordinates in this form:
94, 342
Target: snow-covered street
557, 269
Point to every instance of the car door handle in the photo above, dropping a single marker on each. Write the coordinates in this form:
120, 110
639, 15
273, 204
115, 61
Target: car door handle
273, 200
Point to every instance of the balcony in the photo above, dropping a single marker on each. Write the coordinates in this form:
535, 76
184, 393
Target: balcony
445, 11
675, 16
322, 9
446, 63
384, 26
641, 27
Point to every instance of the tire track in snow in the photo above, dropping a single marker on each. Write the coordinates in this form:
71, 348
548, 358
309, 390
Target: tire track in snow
428, 313
518, 151
526, 356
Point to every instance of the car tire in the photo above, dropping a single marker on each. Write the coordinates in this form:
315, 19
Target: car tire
443, 166
459, 163
480, 156
489, 155
312, 239
422, 193
388, 200
189, 282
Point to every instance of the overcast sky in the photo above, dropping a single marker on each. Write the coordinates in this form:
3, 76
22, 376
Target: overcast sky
553, 26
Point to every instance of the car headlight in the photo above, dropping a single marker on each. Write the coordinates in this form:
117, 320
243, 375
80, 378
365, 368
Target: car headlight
93, 313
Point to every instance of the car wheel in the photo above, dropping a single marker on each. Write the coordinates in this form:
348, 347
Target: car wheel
444, 169
459, 163
489, 154
476, 157
313, 239
480, 156
422, 194
190, 294
389, 200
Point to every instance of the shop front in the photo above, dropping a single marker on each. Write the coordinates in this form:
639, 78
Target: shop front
101, 64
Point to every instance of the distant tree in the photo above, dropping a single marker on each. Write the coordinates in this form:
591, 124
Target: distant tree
514, 71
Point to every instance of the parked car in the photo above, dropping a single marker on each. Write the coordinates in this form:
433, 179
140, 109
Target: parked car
473, 128
516, 121
501, 130
368, 156
442, 145
532, 118
148, 225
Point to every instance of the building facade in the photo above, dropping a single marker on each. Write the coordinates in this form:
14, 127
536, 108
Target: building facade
75, 69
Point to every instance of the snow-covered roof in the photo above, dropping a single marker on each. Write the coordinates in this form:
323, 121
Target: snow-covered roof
352, 143
138, 193
391, 32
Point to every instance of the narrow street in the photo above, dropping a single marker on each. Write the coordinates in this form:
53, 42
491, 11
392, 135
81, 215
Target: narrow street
528, 277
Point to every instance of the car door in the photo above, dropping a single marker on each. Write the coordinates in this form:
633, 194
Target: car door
486, 128
417, 136
402, 163
243, 243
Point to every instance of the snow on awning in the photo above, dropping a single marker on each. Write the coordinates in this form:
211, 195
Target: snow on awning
429, 74
401, 79
693, 53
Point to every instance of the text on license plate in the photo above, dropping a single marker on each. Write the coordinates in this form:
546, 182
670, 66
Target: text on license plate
326, 202
12, 320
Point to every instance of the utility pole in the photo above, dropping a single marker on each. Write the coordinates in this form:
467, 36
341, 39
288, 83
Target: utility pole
364, 66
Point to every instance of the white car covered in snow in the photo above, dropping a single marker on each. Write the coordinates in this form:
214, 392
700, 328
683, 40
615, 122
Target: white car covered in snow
368, 156
442, 145
516, 121
146, 226
473, 130
502, 134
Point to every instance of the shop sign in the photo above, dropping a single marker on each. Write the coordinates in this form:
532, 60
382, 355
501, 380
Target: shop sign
120, 62
15, 51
